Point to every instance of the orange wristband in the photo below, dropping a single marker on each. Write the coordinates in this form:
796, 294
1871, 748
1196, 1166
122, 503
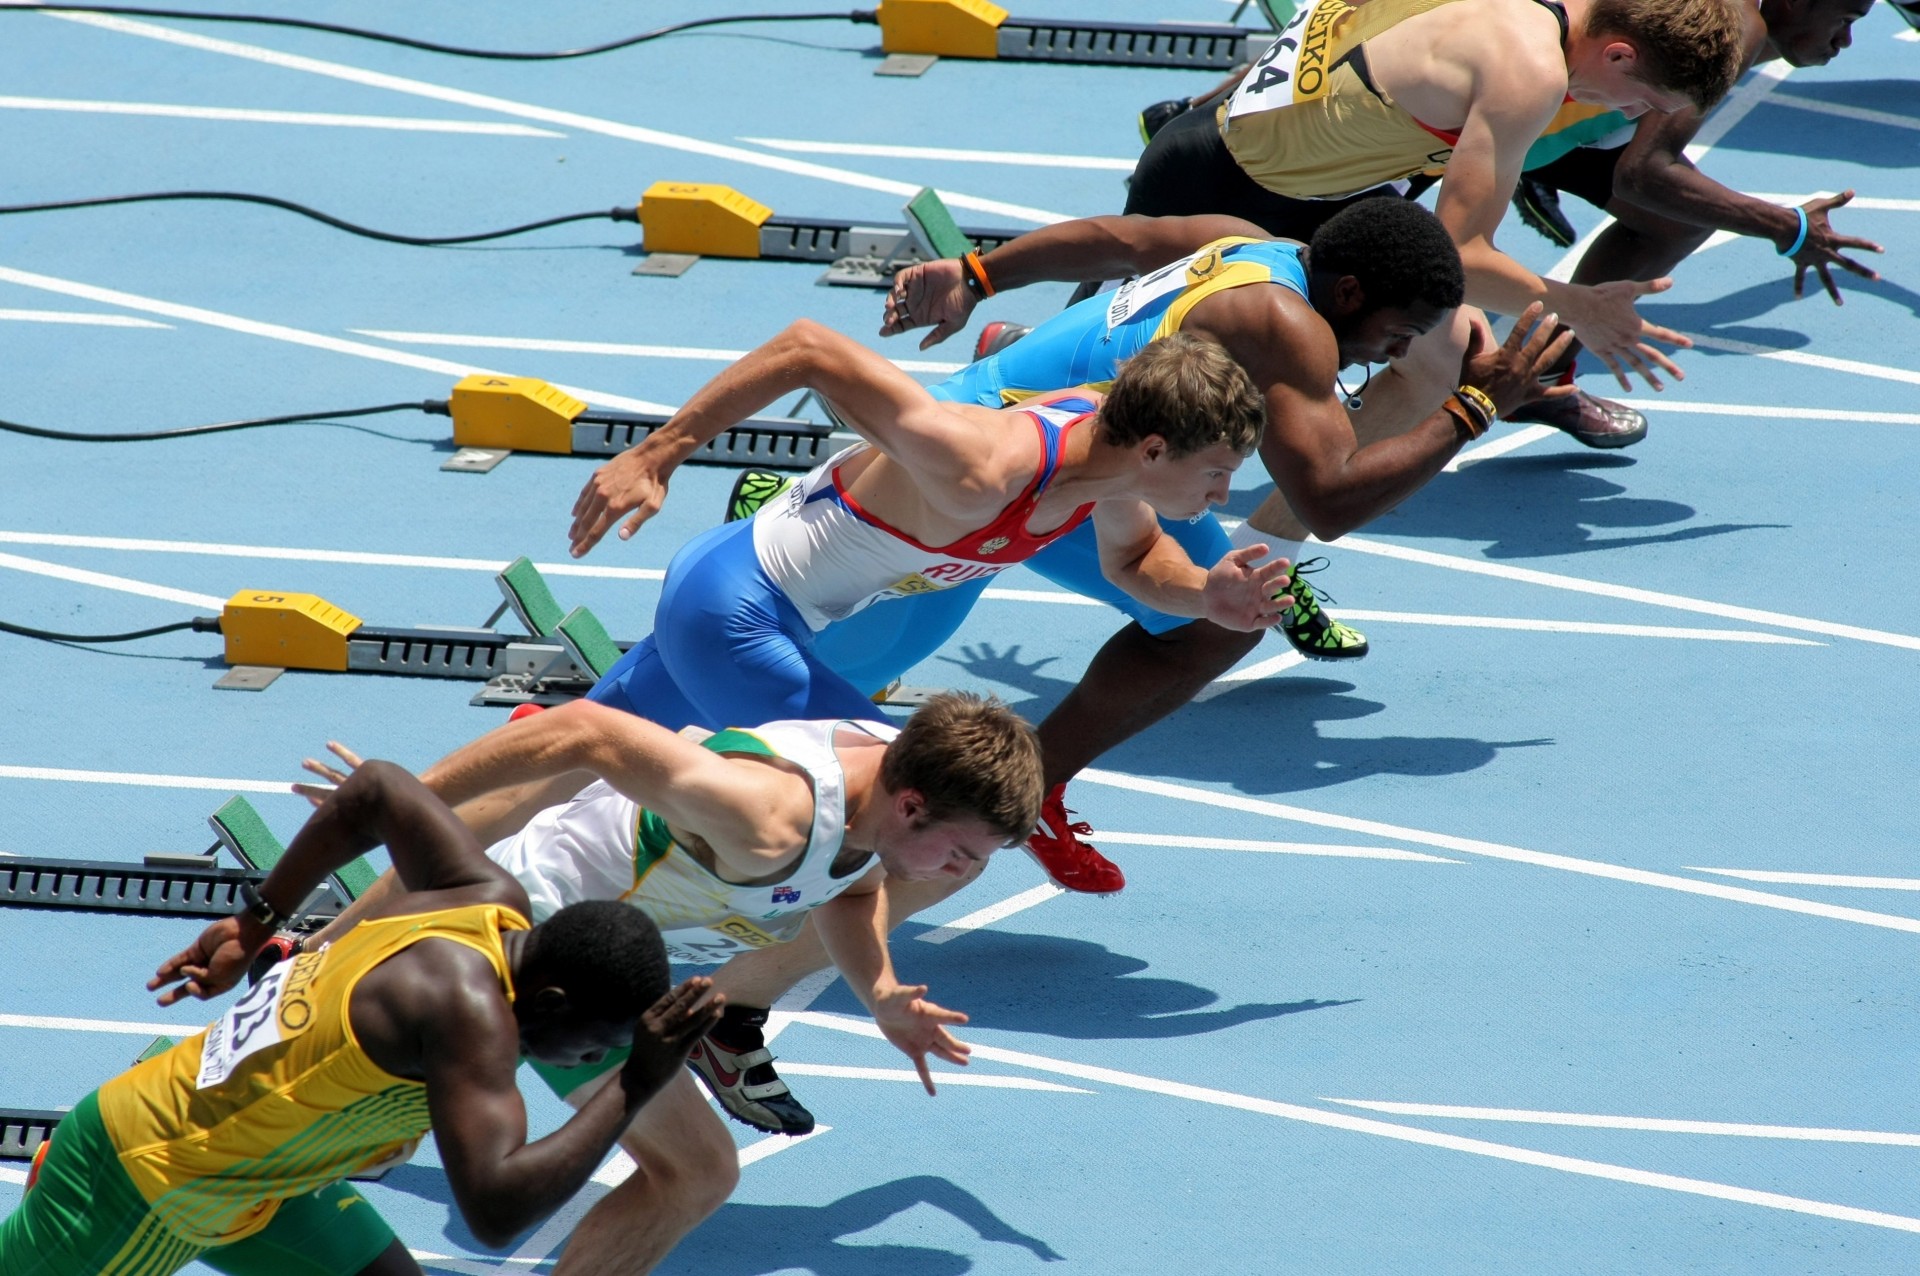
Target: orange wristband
971, 263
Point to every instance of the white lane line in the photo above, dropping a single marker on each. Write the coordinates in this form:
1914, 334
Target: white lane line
142, 779
1056, 596
603, 347
1801, 358
1654, 598
1815, 879
1776, 413
1233, 680
1574, 627
61, 1024
400, 123
1021, 159
941, 1077
796, 999
546, 115
215, 549
1860, 113
295, 336
1409, 1134
992, 913
78, 317
1858, 201
761, 1149
1733, 1129
10, 1175
1495, 850
1499, 447
105, 581
1269, 848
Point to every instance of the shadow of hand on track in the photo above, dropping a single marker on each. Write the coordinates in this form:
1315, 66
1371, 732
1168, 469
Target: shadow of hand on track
1546, 506
1282, 714
1110, 1003
754, 1240
1791, 130
1720, 316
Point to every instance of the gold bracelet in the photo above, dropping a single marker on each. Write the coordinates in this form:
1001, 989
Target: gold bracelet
1479, 398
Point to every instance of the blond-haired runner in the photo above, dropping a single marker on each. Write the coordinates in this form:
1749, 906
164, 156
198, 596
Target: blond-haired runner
730, 845
230, 1148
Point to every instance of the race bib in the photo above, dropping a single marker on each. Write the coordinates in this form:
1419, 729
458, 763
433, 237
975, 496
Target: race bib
1135, 295
274, 1010
716, 943
1296, 67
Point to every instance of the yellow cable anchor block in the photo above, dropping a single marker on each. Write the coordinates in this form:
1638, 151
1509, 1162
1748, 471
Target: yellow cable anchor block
701, 218
520, 414
948, 28
286, 631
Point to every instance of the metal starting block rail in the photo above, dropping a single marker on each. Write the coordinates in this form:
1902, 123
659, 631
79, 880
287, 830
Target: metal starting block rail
981, 29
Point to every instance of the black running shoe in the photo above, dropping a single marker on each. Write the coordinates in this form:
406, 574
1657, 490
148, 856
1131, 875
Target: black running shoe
753, 489
1159, 115
1539, 207
1312, 632
733, 1062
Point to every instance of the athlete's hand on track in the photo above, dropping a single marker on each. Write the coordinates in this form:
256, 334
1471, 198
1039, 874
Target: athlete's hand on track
1511, 373
634, 482
214, 962
665, 1033
919, 1028
334, 776
1821, 252
1241, 596
932, 292
1603, 317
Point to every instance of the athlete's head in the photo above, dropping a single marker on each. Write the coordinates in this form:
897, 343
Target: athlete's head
1812, 32
583, 978
960, 781
1191, 414
1384, 271
1636, 56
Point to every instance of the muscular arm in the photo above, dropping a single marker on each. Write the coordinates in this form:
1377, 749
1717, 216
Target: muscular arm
853, 928
1087, 249
887, 407
1137, 555
743, 812
1309, 447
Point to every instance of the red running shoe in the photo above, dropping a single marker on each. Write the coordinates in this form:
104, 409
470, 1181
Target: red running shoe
1070, 862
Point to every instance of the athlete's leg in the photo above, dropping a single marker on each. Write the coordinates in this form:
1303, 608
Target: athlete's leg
331, 1232
686, 1166
873, 647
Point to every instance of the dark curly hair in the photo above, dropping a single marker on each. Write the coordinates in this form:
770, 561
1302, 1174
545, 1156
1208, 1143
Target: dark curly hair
606, 955
1398, 251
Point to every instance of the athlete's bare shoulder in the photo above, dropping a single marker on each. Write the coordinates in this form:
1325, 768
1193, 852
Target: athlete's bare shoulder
1271, 331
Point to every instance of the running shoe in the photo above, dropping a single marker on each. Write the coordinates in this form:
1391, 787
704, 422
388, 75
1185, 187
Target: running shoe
997, 336
1313, 633
1594, 421
1539, 207
1159, 115
753, 489
1910, 10
733, 1062
1056, 847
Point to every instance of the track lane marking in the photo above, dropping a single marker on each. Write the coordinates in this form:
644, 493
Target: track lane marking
547, 115
1406, 1133
1021, 159
620, 348
1816, 879
248, 116
103, 580
1006, 908
1731, 1129
80, 318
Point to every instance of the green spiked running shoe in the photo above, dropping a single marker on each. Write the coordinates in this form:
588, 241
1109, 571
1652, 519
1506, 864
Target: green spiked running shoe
753, 489
1313, 633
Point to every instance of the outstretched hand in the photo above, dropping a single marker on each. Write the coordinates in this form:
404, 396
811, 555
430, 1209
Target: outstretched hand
665, 1033
1511, 373
919, 1028
635, 482
334, 777
212, 964
1604, 318
1821, 250
930, 292
1242, 596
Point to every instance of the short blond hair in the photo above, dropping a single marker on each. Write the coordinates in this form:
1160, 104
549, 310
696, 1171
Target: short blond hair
969, 755
1190, 392
1695, 47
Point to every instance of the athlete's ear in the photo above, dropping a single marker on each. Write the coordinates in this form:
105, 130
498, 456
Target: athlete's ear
1153, 448
550, 1002
911, 806
1349, 297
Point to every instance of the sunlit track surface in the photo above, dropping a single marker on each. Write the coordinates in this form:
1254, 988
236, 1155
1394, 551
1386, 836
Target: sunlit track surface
1572, 930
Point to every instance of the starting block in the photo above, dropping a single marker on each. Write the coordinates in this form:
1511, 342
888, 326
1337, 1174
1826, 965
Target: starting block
981, 29
704, 220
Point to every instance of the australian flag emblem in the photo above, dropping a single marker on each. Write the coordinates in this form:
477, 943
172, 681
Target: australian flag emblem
785, 895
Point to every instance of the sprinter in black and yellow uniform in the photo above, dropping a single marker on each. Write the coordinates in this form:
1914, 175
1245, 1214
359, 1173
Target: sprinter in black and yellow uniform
230, 1148
1351, 100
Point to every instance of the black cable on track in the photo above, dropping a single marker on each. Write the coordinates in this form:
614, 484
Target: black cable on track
430, 405
624, 213
204, 624
499, 55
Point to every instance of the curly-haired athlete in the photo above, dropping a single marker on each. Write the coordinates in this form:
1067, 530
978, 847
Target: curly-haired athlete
230, 1148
